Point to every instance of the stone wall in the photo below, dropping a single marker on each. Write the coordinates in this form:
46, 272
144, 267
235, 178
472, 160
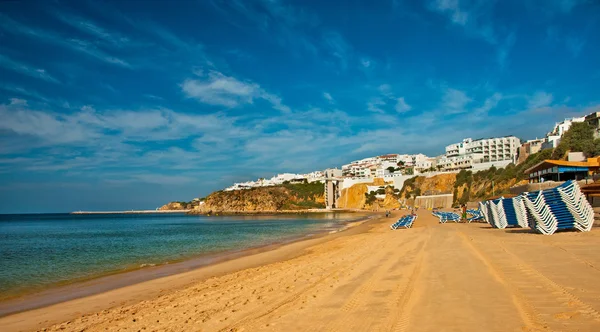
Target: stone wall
434, 201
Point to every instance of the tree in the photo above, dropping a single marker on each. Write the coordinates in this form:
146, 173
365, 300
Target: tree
579, 138
400, 164
409, 171
391, 169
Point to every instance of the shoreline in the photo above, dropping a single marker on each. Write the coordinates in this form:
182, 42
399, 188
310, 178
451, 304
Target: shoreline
114, 281
270, 213
130, 212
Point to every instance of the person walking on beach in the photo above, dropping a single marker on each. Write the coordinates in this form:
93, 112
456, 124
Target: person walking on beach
464, 212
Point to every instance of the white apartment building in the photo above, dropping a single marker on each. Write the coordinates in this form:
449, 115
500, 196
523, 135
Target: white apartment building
391, 158
465, 154
425, 164
553, 137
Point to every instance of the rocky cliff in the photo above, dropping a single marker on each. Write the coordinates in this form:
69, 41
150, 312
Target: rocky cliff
435, 185
285, 197
465, 185
176, 206
356, 197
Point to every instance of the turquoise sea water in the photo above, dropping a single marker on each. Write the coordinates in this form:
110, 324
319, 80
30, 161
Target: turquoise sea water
38, 251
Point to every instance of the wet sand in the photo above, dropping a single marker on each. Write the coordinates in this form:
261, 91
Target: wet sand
450, 277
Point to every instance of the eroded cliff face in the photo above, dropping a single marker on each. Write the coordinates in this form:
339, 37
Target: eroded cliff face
439, 184
354, 197
176, 206
264, 199
466, 188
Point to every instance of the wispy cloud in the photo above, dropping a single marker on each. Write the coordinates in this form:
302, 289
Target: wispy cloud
338, 48
73, 44
24, 69
283, 23
454, 101
452, 8
375, 104
574, 44
366, 62
328, 96
402, 106
476, 19
113, 39
540, 99
387, 100
215, 88
489, 104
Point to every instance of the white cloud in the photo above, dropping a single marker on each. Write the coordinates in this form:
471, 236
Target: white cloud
84, 128
374, 105
452, 7
328, 96
476, 19
402, 106
454, 101
489, 104
50, 37
540, 99
365, 62
24, 69
384, 88
215, 88
338, 48
114, 39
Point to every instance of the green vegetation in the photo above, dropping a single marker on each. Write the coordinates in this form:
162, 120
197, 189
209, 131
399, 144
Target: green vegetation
370, 197
303, 204
306, 190
580, 137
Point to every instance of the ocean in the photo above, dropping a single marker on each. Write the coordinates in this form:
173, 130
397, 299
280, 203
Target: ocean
38, 251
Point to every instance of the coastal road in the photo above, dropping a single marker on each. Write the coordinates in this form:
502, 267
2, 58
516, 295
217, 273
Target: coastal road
433, 277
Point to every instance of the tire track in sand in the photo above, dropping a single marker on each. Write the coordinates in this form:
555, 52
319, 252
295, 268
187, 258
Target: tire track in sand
358, 297
403, 294
251, 322
530, 317
552, 287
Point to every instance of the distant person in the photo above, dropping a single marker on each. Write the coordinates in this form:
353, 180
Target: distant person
464, 211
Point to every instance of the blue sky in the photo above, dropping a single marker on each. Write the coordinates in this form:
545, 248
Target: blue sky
129, 104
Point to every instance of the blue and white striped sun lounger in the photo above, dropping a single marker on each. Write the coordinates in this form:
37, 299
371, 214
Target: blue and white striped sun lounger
446, 216
405, 221
546, 211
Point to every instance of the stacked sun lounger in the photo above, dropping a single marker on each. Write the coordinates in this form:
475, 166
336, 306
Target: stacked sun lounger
446, 216
563, 207
546, 211
484, 209
474, 215
405, 221
505, 212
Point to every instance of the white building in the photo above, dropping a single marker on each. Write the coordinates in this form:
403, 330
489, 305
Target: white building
498, 151
560, 128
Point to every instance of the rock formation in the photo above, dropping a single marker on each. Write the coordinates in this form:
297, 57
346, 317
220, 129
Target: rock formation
291, 197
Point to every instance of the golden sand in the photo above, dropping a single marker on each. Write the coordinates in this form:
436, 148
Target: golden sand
450, 277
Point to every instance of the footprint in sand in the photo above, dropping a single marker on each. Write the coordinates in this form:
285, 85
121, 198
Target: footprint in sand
566, 315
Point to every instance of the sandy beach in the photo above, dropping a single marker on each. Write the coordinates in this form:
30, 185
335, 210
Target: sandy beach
433, 277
